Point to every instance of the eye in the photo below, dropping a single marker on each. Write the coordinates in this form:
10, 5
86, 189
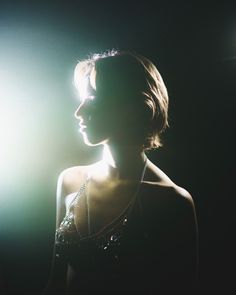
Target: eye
87, 98
90, 101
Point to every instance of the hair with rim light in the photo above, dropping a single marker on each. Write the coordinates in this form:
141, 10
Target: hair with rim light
133, 77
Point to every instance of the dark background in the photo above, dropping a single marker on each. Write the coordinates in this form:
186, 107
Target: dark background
193, 44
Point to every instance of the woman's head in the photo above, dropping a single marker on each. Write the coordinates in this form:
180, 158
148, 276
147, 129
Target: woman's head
123, 99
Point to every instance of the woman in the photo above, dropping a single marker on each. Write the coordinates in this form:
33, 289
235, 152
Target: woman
123, 226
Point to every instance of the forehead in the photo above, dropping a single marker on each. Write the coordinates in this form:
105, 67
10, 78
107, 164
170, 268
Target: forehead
87, 86
92, 79
90, 86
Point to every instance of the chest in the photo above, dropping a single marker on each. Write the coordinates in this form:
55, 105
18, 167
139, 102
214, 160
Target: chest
101, 208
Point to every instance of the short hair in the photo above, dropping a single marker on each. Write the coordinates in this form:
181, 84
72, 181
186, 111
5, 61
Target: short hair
128, 77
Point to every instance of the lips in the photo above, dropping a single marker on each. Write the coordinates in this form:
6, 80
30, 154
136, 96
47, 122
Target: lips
82, 124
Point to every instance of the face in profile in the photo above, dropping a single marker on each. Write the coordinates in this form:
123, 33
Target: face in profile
97, 118
124, 100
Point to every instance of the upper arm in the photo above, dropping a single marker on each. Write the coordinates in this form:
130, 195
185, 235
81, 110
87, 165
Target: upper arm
186, 215
60, 198
171, 223
183, 237
69, 181
66, 184
182, 221
58, 268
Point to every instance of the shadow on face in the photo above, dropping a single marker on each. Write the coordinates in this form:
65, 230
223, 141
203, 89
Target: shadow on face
123, 102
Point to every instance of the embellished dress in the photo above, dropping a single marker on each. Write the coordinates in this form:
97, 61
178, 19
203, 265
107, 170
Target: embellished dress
116, 260
149, 249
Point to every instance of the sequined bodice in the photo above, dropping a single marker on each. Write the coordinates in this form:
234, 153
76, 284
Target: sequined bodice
107, 240
140, 252
112, 257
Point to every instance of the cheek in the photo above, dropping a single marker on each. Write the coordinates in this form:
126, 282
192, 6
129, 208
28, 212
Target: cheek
97, 128
107, 121
103, 118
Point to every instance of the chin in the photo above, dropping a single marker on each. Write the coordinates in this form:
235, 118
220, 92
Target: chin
92, 142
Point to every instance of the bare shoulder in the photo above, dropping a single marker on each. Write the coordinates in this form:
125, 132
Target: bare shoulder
168, 192
71, 179
182, 194
180, 200
161, 189
169, 207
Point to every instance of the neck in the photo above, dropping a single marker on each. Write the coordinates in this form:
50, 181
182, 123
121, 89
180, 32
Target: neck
124, 162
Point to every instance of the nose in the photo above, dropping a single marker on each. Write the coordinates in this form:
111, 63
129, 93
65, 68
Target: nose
77, 113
